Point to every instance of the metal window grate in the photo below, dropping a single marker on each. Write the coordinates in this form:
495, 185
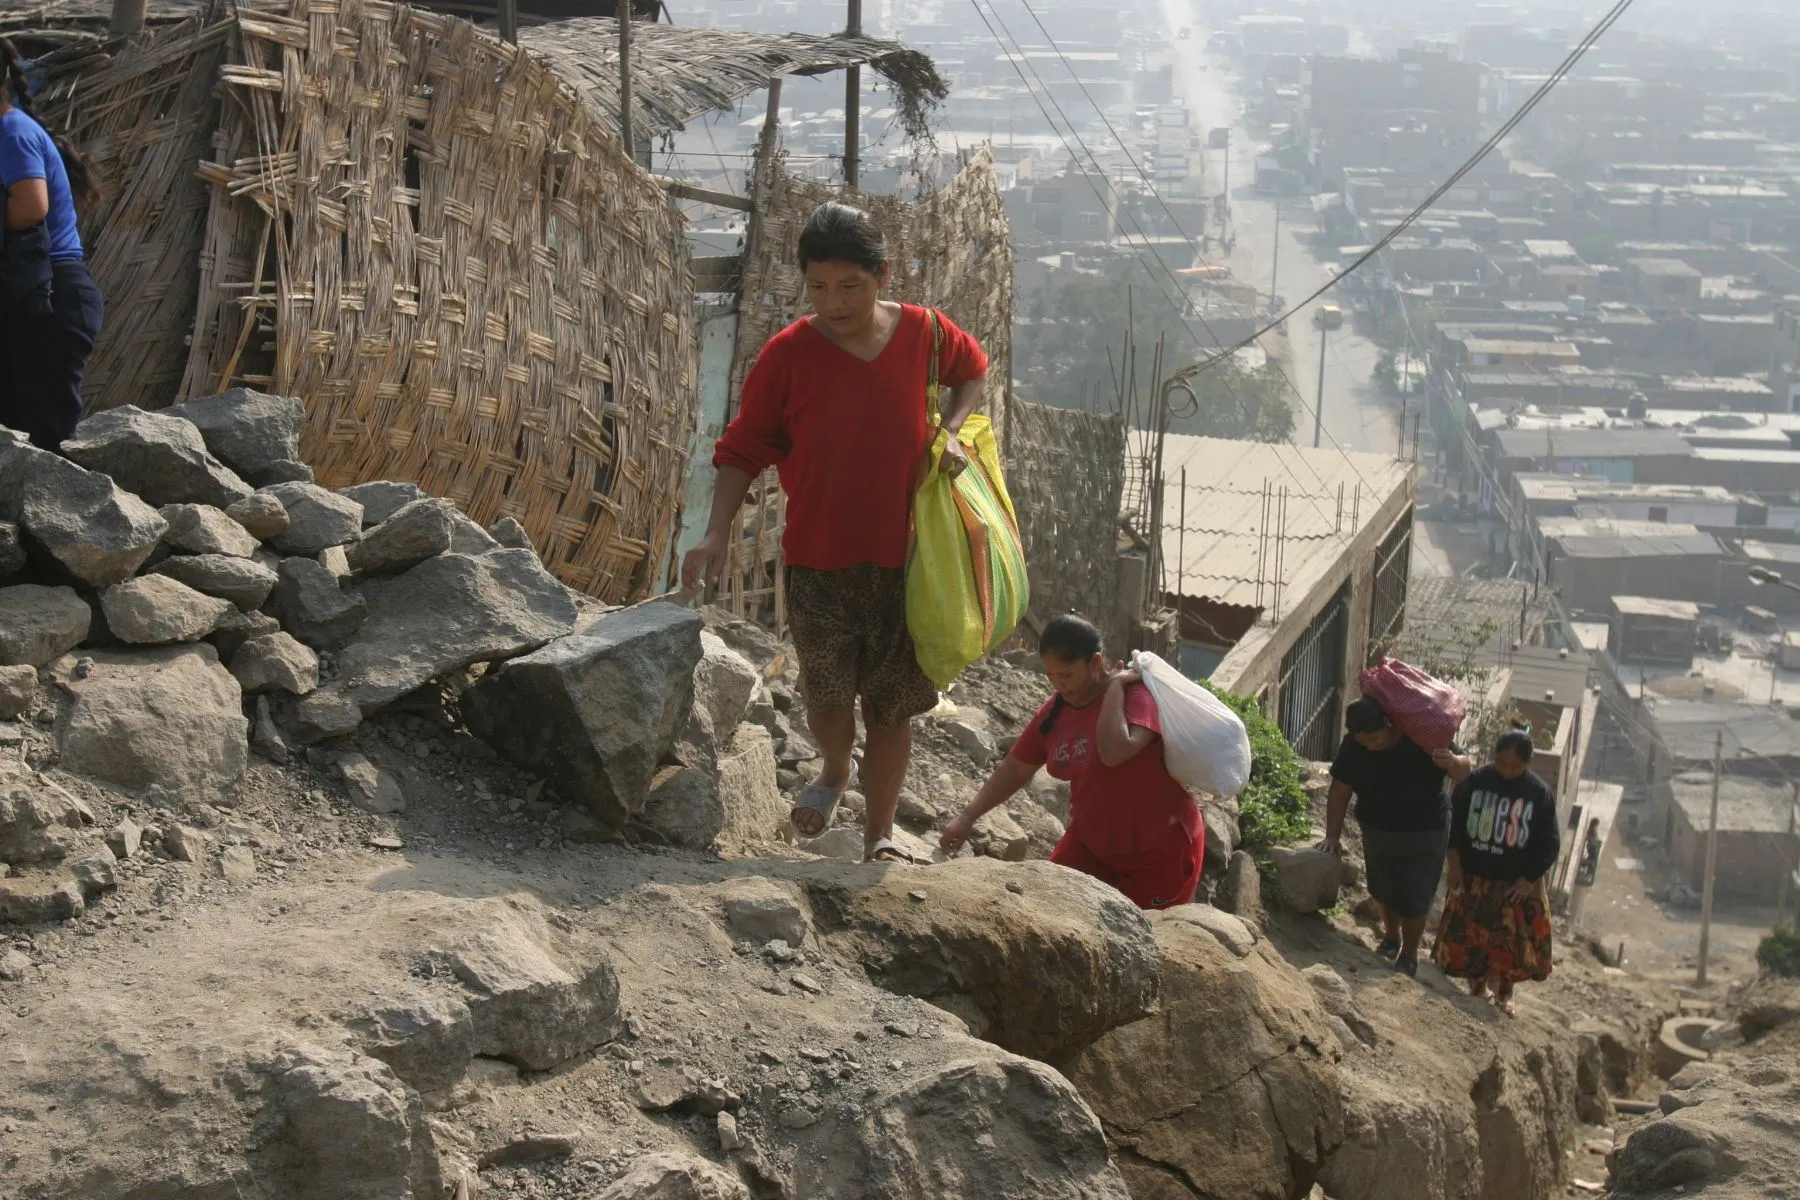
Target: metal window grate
1393, 566
1312, 681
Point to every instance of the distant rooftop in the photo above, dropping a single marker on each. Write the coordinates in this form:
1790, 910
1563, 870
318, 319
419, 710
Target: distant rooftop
1649, 606
1746, 804
1664, 267
1598, 488
1605, 537
1591, 443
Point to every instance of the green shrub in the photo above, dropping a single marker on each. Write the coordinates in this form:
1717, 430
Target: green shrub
1779, 953
1273, 804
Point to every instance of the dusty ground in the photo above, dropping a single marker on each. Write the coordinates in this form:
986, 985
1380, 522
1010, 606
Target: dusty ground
1662, 942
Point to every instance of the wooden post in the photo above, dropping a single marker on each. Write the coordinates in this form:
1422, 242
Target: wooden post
508, 21
623, 10
853, 106
127, 18
1712, 860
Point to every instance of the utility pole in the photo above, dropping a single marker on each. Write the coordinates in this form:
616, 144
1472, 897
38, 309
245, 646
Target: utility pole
1319, 401
1712, 860
623, 9
1275, 265
127, 18
1227, 195
853, 106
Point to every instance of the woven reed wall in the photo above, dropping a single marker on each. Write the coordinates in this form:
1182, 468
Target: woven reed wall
423, 233
1066, 472
145, 116
951, 250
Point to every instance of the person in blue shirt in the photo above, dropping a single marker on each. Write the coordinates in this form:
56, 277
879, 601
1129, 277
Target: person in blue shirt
50, 309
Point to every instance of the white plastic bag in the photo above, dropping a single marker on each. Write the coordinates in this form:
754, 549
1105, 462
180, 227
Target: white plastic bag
1204, 743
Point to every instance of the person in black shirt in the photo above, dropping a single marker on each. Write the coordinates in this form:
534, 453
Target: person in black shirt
1400, 806
1503, 841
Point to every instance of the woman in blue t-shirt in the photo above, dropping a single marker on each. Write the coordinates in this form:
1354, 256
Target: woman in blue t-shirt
50, 310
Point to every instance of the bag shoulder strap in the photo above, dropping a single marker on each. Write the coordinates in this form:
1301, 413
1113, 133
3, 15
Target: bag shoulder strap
933, 413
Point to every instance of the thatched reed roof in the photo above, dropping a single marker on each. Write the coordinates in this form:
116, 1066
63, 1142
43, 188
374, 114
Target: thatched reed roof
678, 73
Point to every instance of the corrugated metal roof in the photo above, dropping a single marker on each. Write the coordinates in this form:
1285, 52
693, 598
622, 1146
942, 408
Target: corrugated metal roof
1688, 728
1672, 545
1225, 538
1591, 443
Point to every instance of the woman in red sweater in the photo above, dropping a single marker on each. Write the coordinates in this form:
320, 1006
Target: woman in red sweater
1131, 824
836, 403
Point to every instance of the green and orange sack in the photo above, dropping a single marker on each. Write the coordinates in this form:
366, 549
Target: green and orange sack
966, 587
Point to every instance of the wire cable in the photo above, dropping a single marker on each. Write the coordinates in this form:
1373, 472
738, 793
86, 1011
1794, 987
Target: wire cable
1015, 56
1562, 70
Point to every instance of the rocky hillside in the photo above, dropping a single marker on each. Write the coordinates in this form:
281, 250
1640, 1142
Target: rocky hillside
348, 853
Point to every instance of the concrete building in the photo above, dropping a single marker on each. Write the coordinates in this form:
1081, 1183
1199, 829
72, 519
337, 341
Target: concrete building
1757, 843
1591, 560
1284, 565
1645, 630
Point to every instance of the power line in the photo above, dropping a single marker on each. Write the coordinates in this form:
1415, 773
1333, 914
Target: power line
1014, 57
1279, 371
1568, 63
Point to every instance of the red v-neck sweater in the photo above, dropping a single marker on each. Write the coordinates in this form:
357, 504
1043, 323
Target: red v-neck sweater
846, 435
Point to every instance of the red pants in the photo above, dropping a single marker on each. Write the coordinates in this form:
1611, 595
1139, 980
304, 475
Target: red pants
1154, 879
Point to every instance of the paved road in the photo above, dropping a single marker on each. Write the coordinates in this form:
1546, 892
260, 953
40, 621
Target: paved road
1357, 416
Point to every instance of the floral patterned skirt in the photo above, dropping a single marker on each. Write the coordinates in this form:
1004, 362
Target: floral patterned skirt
1484, 935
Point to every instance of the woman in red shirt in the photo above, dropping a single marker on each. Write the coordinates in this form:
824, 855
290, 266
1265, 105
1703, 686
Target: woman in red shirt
1130, 823
836, 403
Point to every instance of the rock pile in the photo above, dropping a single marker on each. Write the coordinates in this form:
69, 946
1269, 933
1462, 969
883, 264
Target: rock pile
179, 599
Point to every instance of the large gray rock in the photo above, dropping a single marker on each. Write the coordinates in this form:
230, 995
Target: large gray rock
261, 515
595, 713
203, 529
236, 628
312, 604
37, 818
723, 682
12, 551
426, 1039
1231, 1089
168, 715
275, 662
95, 530
416, 532
157, 609
248, 431
317, 519
383, 498
38, 624
342, 1125
1309, 878
18, 688
530, 1008
674, 1177
243, 581
978, 943
736, 804
1240, 892
445, 614
510, 533
371, 788
159, 458
40, 899
913, 1140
